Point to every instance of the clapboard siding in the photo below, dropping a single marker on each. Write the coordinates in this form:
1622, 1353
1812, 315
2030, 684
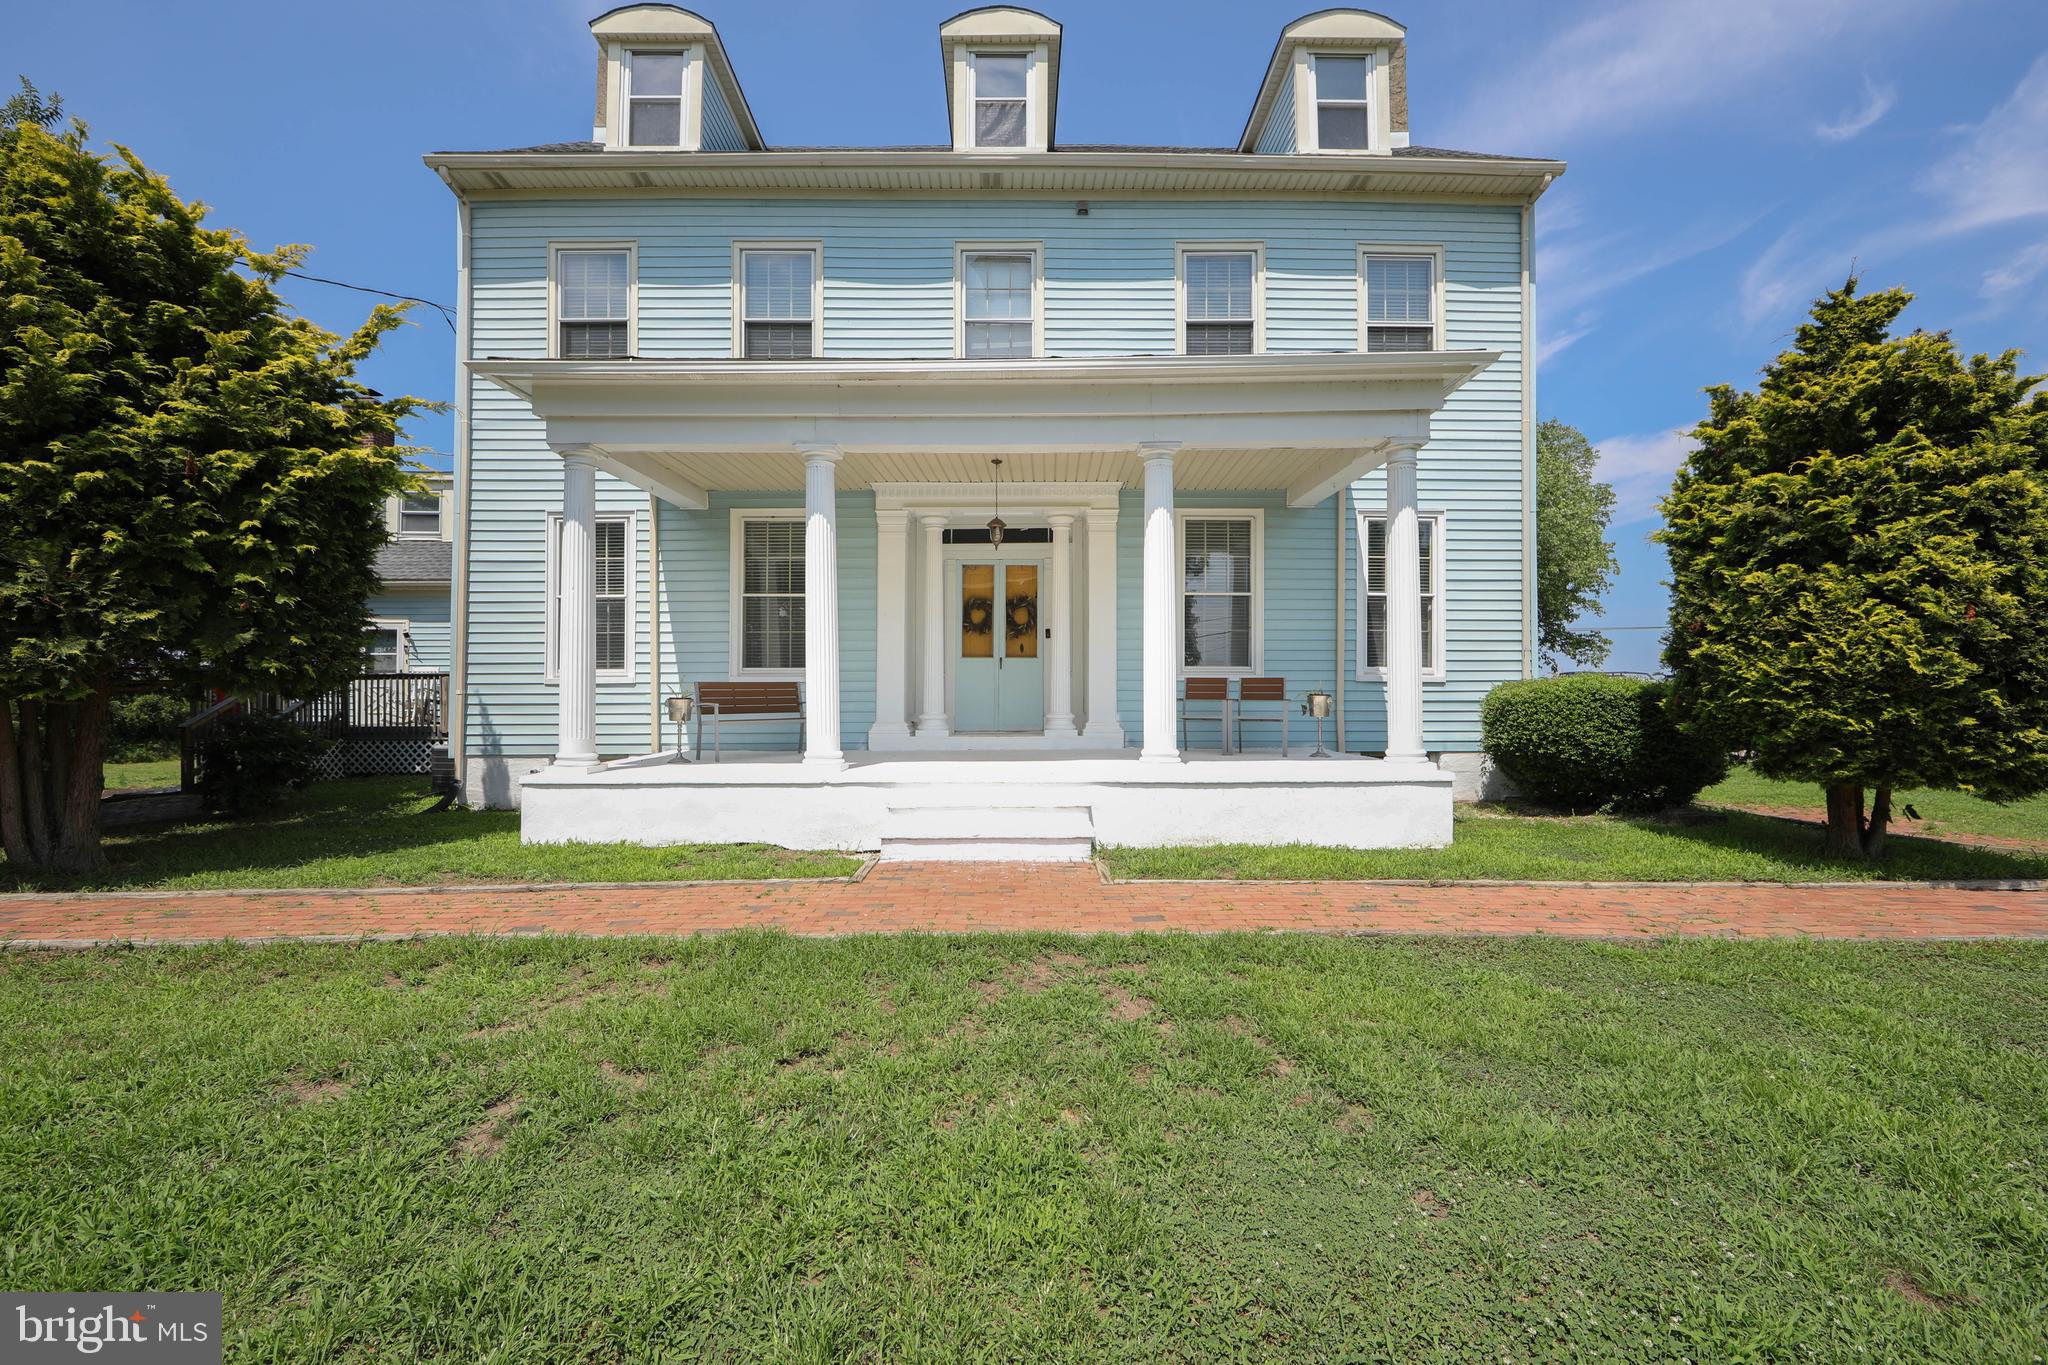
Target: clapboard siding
1109, 290
426, 615
1276, 135
721, 130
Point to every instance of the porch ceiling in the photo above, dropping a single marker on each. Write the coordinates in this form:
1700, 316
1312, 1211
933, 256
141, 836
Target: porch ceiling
776, 471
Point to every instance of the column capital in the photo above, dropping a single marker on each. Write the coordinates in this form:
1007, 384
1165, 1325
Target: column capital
892, 518
934, 521
1148, 451
578, 452
1059, 520
820, 452
1403, 452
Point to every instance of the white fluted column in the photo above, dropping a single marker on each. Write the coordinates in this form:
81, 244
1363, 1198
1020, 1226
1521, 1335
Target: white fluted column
1059, 654
576, 619
1162, 604
1105, 726
1404, 612
821, 605
931, 716
892, 628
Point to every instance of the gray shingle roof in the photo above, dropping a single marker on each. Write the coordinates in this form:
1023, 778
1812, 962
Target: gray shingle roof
416, 561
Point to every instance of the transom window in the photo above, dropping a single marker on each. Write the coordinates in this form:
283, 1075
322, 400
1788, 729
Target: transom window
771, 596
594, 302
654, 99
1400, 303
612, 572
777, 289
419, 514
1219, 605
1219, 288
1000, 102
997, 292
1343, 120
1429, 539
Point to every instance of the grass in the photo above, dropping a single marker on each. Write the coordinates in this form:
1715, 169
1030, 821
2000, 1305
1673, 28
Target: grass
930, 1148
1488, 844
1943, 812
376, 832
153, 772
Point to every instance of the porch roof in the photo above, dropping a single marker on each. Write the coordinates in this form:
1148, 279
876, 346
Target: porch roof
680, 428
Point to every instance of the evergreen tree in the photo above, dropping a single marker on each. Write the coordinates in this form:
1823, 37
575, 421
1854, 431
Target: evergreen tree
1574, 558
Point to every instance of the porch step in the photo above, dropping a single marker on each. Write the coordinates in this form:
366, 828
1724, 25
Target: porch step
1028, 834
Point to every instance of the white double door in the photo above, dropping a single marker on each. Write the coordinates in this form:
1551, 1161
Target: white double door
995, 638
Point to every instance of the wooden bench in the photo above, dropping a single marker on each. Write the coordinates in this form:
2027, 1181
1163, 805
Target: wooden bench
1263, 690
720, 704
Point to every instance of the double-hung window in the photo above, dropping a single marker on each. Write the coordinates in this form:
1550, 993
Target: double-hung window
768, 596
1219, 592
1001, 104
998, 303
1372, 637
593, 303
1400, 301
384, 647
419, 516
654, 99
1343, 110
1219, 295
612, 574
778, 303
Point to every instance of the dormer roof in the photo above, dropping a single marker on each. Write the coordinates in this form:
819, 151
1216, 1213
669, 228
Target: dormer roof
1286, 93
715, 106
1002, 30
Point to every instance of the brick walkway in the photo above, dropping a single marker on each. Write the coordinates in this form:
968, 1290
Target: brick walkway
944, 897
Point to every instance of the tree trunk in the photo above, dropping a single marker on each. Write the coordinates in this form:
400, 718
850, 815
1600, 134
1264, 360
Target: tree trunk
1880, 817
52, 768
1845, 820
13, 827
35, 805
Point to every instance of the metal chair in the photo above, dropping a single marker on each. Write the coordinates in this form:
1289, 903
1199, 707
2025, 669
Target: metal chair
1263, 690
1206, 690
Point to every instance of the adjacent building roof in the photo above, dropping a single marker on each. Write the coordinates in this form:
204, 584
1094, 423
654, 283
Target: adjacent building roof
416, 561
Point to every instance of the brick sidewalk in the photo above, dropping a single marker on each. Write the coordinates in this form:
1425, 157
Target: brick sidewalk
955, 897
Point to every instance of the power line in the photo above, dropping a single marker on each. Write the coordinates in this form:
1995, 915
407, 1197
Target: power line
447, 315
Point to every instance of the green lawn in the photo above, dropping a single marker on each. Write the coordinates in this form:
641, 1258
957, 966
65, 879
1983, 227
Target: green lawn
373, 832
929, 1148
152, 772
1488, 844
1943, 811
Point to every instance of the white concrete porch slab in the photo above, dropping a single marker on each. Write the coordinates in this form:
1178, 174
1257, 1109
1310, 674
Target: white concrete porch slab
1204, 799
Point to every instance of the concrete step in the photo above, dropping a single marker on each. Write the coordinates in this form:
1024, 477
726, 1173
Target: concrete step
1030, 834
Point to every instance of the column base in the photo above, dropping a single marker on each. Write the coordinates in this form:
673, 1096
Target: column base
933, 727
1159, 756
576, 763
1061, 727
824, 763
1109, 735
885, 735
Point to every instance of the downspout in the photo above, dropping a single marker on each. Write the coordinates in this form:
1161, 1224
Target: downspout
1529, 431
654, 624
1337, 691
458, 659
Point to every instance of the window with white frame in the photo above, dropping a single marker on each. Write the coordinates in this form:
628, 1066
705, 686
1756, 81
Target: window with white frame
654, 99
998, 303
384, 646
1219, 592
1400, 301
778, 293
1219, 301
1372, 591
1343, 110
593, 303
419, 516
612, 575
768, 596
1001, 104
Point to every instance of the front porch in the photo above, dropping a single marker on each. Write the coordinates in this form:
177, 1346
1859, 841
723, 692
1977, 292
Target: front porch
953, 721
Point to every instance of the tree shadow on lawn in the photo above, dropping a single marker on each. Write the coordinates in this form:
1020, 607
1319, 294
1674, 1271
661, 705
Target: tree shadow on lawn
1905, 857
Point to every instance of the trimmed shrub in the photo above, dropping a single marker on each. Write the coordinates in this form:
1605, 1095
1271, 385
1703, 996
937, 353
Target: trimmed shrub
248, 761
1591, 742
143, 726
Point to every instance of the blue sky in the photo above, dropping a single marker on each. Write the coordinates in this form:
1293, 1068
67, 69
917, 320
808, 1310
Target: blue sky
1729, 158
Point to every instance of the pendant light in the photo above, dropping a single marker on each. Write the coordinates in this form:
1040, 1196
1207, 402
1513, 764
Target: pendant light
995, 523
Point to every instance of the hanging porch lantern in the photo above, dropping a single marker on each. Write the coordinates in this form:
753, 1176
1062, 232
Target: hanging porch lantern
995, 523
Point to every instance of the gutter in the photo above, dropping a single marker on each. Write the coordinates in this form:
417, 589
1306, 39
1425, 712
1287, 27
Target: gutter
458, 658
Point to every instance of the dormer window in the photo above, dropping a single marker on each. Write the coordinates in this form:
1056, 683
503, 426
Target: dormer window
654, 98
1343, 111
1001, 80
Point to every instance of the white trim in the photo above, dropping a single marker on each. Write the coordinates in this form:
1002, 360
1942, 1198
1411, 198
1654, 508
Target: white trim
1433, 670
961, 251
736, 569
402, 653
1034, 98
1375, 102
439, 511
551, 543
740, 248
555, 250
1181, 252
618, 97
951, 559
1257, 517
1435, 252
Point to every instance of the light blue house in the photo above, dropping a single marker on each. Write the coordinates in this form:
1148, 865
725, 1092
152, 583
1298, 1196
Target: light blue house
736, 413
410, 612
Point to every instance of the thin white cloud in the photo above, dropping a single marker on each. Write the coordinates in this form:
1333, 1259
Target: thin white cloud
2003, 281
2000, 172
1877, 102
1550, 343
1623, 67
1640, 469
